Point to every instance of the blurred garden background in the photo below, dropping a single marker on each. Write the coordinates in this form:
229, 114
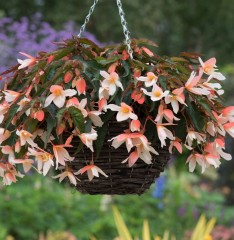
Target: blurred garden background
43, 209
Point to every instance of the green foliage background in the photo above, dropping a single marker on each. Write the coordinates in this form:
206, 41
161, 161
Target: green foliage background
38, 205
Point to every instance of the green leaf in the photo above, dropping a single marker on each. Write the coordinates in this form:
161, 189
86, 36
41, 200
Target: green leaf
127, 67
93, 64
88, 125
12, 112
104, 61
78, 118
179, 59
62, 53
194, 113
50, 73
52, 110
163, 82
206, 107
139, 64
60, 114
50, 121
88, 42
31, 125
146, 42
100, 139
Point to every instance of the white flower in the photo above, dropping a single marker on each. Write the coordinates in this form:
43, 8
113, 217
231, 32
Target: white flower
92, 171
69, 174
150, 80
156, 94
209, 68
124, 111
111, 81
27, 62
88, 138
10, 96
163, 134
25, 137
58, 96
4, 135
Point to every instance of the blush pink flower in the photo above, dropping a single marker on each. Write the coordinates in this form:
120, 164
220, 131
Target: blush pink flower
143, 149
216, 148
111, 81
8, 150
80, 85
88, 138
156, 94
229, 128
26, 163
3, 110
74, 102
58, 96
138, 96
191, 85
25, 137
95, 118
22, 103
209, 68
135, 125
69, 174
165, 113
43, 158
9, 173
192, 135
61, 154
195, 158
228, 114
38, 114
212, 159
133, 157
4, 135
211, 128
102, 103
124, 137
27, 62
163, 134
104, 92
92, 171
150, 80
175, 98
175, 144
10, 95
124, 111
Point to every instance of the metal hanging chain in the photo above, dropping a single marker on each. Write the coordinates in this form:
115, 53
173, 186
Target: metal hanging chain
125, 28
82, 29
123, 22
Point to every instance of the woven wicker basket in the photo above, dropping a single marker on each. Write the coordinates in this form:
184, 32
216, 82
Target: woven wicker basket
121, 178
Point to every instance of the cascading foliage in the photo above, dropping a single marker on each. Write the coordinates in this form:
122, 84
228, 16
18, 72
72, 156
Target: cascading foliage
73, 92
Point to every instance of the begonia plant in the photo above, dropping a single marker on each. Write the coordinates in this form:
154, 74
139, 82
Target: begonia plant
72, 93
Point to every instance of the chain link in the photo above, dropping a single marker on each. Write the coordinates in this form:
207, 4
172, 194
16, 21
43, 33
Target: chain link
125, 28
82, 29
123, 22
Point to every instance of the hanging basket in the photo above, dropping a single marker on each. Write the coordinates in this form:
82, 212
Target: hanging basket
59, 111
122, 179
108, 118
